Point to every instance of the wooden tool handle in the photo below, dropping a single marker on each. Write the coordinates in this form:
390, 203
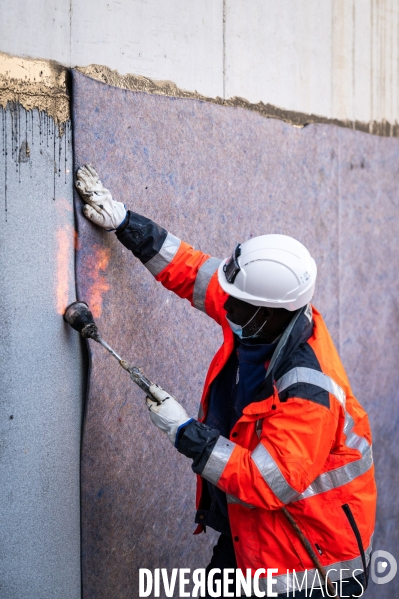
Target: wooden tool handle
311, 553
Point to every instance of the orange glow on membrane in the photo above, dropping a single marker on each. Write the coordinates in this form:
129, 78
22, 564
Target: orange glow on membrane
76, 241
96, 263
64, 249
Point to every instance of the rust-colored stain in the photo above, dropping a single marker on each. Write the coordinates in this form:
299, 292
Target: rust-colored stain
95, 264
76, 242
65, 236
66, 241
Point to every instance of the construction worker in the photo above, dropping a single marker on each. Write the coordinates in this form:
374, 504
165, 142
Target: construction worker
281, 447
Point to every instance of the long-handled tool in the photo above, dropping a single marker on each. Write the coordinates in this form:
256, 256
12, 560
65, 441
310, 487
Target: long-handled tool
311, 553
81, 319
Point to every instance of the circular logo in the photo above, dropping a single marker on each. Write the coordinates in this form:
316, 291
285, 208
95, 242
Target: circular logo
383, 566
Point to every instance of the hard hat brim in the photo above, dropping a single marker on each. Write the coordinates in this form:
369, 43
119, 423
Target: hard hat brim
288, 304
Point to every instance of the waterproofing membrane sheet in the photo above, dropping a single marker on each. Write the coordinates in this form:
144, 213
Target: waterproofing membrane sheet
215, 176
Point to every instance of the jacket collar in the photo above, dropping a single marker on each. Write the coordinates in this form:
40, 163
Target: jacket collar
298, 331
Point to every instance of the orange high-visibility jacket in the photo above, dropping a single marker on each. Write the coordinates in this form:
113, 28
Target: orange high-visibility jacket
303, 444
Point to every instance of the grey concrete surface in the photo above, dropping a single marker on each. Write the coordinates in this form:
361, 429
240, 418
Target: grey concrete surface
336, 58
41, 372
171, 39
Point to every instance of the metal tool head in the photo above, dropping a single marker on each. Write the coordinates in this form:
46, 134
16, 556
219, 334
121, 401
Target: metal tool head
80, 318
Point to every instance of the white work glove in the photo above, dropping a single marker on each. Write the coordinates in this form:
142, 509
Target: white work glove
101, 209
168, 415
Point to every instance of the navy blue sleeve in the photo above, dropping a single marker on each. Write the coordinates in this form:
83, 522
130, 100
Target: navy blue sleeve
141, 236
196, 441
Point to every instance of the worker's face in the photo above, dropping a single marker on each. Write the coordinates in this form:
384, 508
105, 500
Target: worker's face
241, 313
238, 311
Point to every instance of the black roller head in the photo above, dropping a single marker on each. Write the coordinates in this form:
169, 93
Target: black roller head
80, 318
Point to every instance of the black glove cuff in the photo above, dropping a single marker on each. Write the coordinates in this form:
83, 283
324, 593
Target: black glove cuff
196, 441
141, 235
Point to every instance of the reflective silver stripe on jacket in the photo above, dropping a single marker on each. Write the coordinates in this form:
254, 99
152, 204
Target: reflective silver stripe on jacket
285, 583
217, 460
202, 280
232, 499
347, 473
313, 377
164, 256
272, 475
328, 480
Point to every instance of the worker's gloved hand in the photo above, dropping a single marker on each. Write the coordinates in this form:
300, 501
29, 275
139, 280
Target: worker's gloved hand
166, 413
101, 209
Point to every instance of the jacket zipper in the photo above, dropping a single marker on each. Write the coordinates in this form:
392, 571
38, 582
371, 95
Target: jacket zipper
352, 522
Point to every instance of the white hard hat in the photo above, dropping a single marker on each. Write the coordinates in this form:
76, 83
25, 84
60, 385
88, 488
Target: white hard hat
270, 270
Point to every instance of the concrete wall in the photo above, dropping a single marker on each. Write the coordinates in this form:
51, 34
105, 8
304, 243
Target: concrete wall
336, 58
41, 374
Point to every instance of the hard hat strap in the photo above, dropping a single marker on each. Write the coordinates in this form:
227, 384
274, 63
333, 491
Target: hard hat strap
258, 331
238, 329
252, 317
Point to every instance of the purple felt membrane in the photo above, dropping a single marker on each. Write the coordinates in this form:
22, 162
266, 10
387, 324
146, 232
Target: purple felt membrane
214, 176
